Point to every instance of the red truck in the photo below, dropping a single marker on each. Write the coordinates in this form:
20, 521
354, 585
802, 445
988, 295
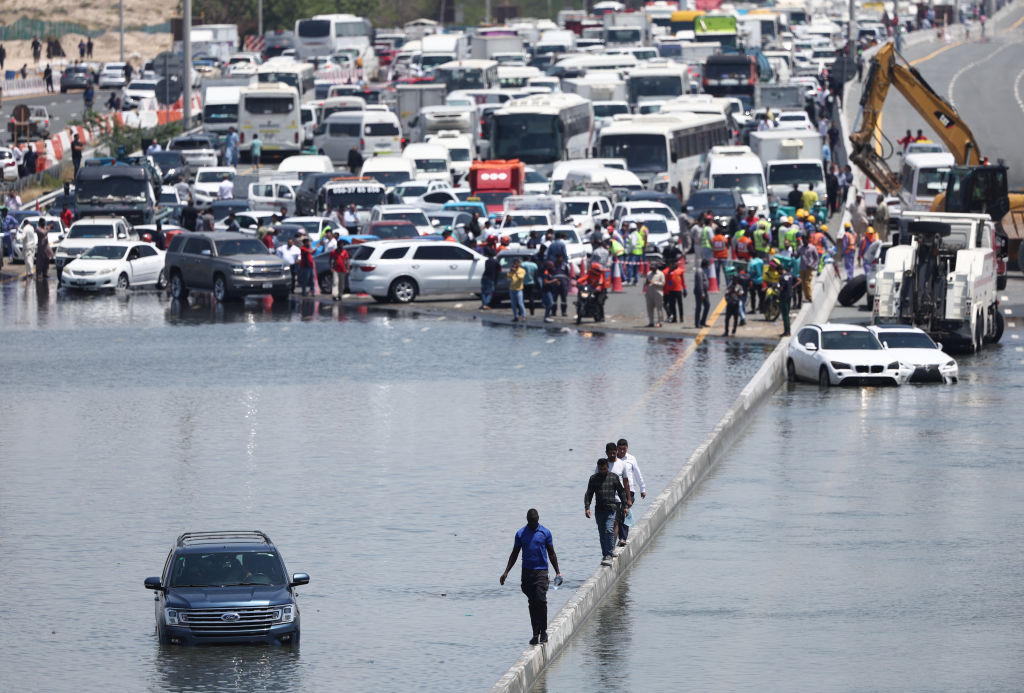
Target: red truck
493, 181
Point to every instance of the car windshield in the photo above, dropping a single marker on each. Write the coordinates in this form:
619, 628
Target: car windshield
609, 110
655, 225
526, 220
167, 160
394, 231
907, 340
700, 201
748, 183
577, 208
463, 155
432, 165
223, 569
91, 231
788, 174
104, 252
240, 246
641, 152
492, 198
213, 176
535, 177
418, 218
168, 198
856, 340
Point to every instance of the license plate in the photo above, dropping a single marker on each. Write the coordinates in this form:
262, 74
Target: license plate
268, 285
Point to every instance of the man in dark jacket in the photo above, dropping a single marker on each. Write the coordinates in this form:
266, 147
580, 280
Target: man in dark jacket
609, 492
355, 161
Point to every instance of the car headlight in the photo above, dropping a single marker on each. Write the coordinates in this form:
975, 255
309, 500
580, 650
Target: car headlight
287, 614
840, 366
895, 365
238, 269
949, 364
171, 617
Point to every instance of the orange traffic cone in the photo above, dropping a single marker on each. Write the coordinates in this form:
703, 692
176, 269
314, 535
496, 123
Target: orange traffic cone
616, 276
712, 278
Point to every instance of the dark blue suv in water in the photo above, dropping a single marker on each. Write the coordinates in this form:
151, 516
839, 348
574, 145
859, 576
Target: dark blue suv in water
226, 587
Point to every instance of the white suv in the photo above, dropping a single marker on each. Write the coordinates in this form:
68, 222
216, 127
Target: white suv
401, 270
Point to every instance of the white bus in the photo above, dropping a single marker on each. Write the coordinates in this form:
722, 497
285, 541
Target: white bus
542, 129
664, 150
326, 34
657, 83
300, 76
273, 111
467, 74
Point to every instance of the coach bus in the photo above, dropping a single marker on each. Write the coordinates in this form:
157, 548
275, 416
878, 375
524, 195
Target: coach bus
542, 129
326, 34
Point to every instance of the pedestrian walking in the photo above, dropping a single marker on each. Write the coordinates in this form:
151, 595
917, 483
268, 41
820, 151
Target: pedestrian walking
290, 254
675, 290
48, 78
550, 287
733, 296
489, 278
77, 147
339, 271
530, 290
29, 241
634, 481
654, 293
231, 148
702, 302
516, 279
608, 493
44, 253
787, 285
355, 161
537, 545
256, 150
562, 275
808, 255
859, 215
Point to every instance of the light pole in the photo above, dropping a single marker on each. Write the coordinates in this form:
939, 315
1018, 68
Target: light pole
186, 42
121, 12
259, 11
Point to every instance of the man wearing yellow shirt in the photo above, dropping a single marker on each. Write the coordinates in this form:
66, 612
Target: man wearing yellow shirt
516, 277
810, 198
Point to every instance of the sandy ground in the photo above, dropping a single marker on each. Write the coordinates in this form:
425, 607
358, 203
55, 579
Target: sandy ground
138, 47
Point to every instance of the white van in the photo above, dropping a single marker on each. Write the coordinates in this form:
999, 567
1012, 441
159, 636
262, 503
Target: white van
583, 180
220, 109
737, 168
374, 132
433, 162
306, 163
460, 150
562, 169
389, 170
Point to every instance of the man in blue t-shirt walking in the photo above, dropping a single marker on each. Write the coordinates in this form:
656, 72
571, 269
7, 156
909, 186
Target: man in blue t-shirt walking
535, 542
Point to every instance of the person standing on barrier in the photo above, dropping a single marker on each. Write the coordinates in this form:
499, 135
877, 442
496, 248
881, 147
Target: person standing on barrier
634, 482
700, 295
787, 285
609, 493
808, 264
76, 153
537, 545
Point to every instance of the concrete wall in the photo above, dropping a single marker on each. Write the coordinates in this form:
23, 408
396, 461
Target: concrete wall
524, 673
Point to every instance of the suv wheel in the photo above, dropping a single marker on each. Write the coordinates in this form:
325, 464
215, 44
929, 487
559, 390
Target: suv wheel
178, 289
403, 290
220, 289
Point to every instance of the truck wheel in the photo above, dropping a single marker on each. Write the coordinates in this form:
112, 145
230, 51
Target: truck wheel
853, 290
979, 333
178, 289
998, 325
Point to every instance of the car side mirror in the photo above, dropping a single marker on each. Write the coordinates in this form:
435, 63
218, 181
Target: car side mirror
205, 251
810, 346
938, 345
122, 234
153, 583
300, 579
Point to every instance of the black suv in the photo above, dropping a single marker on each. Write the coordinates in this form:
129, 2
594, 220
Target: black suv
229, 264
226, 587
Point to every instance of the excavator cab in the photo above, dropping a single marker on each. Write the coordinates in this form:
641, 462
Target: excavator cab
977, 190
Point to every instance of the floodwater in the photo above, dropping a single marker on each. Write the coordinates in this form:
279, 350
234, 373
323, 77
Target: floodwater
853, 540
392, 458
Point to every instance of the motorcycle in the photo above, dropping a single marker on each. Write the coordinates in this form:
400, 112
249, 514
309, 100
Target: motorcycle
589, 303
770, 305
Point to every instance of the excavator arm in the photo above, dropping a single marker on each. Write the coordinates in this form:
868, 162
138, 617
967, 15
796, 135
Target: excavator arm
887, 69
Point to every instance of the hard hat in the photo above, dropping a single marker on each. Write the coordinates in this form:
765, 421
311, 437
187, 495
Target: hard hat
505, 240
871, 230
846, 225
632, 226
824, 228
801, 213
810, 218
789, 220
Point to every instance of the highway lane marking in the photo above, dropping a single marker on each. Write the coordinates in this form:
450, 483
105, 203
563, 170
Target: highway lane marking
1016, 24
968, 66
931, 55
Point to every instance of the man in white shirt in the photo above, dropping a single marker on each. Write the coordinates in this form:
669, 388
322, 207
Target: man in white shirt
350, 220
29, 242
290, 254
636, 480
226, 189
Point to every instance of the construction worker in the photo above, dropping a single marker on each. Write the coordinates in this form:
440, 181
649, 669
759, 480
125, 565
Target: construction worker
720, 251
868, 250
743, 245
762, 239
706, 236
635, 245
849, 248
792, 236
818, 239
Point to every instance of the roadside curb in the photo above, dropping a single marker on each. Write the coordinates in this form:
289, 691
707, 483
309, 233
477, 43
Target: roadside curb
527, 669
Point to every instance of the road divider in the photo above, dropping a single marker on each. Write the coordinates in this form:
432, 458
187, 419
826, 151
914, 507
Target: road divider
528, 668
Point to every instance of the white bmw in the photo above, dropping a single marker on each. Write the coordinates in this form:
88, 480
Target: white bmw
838, 354
116, 265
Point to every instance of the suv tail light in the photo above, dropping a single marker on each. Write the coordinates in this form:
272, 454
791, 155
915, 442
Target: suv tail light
366, 268
241, 137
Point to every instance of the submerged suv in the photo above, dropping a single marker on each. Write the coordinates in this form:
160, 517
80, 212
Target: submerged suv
228, 264
226, 587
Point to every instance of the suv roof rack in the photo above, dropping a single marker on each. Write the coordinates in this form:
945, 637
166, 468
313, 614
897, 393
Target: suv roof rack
224, 537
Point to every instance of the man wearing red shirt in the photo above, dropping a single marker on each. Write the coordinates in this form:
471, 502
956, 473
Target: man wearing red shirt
306, 267
339, 268
675, 289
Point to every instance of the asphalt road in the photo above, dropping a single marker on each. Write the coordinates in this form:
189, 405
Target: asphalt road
983, 80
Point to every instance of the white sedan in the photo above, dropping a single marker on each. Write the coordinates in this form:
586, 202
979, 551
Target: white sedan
116, 265
915, 349
838, 354
208, 181
8, 164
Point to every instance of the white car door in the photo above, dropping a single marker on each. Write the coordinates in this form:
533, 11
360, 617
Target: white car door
804, 360
150, 263
463, 268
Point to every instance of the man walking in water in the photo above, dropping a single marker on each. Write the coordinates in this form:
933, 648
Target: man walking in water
535, 541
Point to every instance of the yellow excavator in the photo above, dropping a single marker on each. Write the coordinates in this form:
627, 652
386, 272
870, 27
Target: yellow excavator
971, 186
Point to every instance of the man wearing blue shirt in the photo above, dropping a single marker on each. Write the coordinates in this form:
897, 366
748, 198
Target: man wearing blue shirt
534, 540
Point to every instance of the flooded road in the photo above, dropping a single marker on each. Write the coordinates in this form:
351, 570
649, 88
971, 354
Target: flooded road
853, 540
392, 458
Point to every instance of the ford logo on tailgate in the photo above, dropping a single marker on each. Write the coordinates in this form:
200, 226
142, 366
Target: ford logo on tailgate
230, 616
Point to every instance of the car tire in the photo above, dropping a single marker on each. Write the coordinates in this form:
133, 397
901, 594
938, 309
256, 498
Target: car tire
326, 283
122, 282
824, 380
161, 280
161, 636
178, 288
999, 324
790, 371
403, 290
220, 289
853, 290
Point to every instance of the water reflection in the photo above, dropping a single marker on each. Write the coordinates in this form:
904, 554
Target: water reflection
216, 669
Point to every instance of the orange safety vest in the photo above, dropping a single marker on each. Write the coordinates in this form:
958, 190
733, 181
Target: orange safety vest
720, 247
851, 243
743, 245
818, 241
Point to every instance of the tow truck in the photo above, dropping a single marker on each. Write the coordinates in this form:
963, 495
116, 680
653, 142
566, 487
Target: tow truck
946, 265
492, 181
978, 187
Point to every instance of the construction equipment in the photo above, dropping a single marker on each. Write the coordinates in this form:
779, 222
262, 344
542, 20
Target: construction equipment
978, 187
